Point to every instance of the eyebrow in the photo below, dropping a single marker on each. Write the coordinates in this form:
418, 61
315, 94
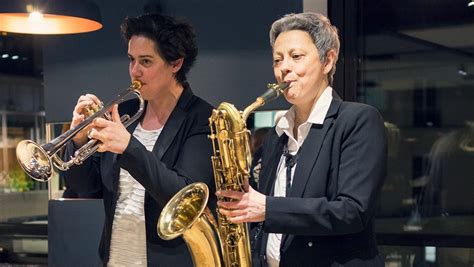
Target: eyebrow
142, 56
280, 53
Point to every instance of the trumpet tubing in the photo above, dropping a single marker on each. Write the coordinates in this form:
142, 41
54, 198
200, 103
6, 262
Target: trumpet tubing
38, 160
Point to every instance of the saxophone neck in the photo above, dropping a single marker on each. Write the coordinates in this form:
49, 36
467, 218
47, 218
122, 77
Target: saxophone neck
250, 108
273, 92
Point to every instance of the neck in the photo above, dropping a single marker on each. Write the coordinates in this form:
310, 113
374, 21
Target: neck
302, 111
159, 109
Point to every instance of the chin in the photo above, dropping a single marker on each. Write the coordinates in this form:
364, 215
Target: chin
290, 94
290, 99
145, 96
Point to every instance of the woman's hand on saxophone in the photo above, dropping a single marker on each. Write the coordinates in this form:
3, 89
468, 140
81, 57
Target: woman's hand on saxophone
245, 207
112, 133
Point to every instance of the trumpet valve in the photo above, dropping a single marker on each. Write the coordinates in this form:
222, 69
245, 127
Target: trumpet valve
89, 110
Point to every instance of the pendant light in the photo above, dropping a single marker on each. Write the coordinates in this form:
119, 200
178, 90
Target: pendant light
49, 16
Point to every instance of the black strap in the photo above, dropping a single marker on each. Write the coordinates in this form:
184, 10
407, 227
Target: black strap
290, 162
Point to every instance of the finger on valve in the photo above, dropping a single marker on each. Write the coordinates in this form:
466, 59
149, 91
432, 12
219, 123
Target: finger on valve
89, 110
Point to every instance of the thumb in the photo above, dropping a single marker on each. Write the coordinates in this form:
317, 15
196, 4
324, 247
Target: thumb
115, 114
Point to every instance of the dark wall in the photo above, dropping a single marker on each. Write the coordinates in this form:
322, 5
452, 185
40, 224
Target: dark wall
234, 62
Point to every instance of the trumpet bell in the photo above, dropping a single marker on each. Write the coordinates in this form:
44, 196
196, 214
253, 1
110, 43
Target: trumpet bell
34, 160
37, 161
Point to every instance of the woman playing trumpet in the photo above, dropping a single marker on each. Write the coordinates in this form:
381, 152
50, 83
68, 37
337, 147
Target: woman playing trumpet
144, 165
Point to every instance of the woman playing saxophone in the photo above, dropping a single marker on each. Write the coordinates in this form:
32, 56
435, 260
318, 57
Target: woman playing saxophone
322, 165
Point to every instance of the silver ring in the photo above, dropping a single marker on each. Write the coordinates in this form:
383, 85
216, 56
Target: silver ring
89, 134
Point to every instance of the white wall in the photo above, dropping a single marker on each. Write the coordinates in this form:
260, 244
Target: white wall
319, 6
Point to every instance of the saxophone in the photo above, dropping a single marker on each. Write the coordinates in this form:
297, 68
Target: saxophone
217, 242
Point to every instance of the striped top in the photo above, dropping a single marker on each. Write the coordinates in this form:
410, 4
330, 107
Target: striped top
128, 242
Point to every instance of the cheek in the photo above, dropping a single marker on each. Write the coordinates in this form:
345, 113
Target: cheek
300, 71
277, 74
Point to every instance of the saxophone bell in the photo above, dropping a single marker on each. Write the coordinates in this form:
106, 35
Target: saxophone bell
185, 213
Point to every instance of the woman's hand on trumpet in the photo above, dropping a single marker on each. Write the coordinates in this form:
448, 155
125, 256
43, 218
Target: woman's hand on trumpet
80, 114
112, 133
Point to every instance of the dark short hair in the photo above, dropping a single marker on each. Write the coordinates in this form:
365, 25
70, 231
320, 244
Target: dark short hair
174, 38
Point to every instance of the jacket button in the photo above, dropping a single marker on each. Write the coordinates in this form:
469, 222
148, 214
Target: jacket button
310, 244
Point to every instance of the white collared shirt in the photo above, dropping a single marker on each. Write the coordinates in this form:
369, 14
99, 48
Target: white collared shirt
285, 125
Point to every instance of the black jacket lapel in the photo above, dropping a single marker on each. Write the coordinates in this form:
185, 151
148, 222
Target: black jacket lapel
177, 117
309, 154
166, 137
267, 178
310, 149
268, 175
174, 123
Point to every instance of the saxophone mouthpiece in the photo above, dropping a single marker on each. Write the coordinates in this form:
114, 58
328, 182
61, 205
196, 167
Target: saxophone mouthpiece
274, 91
283, 86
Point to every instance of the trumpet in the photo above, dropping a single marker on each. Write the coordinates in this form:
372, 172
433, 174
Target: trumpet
38, 160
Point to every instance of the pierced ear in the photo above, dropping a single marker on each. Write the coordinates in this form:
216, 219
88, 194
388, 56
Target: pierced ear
330, 61
176, 65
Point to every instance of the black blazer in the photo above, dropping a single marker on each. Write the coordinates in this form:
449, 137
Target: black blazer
181, 156
328, 218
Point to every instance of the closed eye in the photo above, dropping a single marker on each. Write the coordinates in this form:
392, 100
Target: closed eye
276, 62
297, 57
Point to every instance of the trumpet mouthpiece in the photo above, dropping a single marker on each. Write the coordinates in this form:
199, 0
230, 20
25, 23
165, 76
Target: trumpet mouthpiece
136, 84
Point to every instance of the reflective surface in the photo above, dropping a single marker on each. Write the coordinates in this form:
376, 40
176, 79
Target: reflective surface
34, 160
417, 68
416, 65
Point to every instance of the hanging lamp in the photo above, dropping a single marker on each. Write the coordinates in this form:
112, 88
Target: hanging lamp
49, 16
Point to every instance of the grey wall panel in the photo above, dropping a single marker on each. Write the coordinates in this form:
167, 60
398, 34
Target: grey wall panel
234, 63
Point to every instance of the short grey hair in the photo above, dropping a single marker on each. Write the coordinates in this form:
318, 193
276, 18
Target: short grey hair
324, 34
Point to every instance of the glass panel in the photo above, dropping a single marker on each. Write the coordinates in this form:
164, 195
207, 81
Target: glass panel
3, 153
266, 118
417, 68
427, 256
23, 202
21, 126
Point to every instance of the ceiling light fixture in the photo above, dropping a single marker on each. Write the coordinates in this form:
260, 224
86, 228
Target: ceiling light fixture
471, 3
49, 16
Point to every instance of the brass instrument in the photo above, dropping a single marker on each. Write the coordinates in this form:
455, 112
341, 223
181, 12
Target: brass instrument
38, 160
185, 214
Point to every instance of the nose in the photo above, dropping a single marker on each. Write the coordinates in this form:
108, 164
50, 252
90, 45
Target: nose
135, 70
285, 67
